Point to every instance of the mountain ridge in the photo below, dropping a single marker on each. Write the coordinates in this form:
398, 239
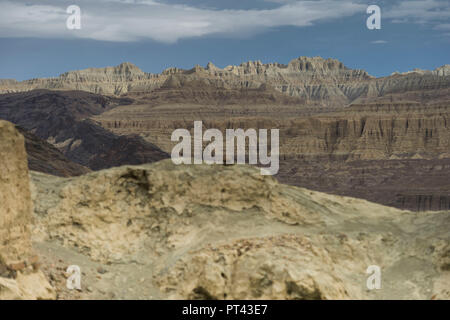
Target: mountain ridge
303, 63
327, 81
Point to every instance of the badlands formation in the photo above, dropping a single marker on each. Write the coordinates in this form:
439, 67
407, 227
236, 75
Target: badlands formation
342, 131
101, 193
160, 231
304, 77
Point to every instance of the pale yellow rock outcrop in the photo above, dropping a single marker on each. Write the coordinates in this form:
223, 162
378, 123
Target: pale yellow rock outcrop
15, 198
19, 274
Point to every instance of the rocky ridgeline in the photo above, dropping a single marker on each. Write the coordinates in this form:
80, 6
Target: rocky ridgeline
315, 79
20, 277
441, 71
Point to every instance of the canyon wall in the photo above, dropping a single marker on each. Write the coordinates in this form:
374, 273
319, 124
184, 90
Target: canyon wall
395, 153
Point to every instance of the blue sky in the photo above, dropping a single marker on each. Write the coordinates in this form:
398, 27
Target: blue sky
154, 35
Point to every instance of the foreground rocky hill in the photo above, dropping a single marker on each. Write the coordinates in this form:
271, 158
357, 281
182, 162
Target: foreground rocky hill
226, 232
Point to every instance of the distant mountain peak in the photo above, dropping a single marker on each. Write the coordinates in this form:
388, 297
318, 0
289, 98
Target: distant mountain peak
123, 72
316, 64
128, 66
211, 66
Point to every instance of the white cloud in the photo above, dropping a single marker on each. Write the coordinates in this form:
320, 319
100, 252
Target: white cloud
379, 42
422, 11
132, 20
128, 20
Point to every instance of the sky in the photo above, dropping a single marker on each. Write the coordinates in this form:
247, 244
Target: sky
156, 34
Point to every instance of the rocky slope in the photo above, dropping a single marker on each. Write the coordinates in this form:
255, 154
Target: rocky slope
44, 157
20, 277
416, 184
226, 232
62, 119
